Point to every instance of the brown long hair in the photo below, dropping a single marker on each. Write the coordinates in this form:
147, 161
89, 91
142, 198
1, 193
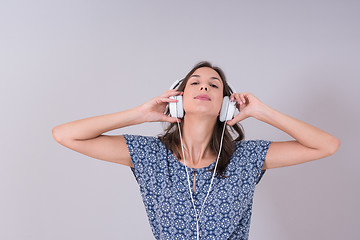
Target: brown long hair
171, 137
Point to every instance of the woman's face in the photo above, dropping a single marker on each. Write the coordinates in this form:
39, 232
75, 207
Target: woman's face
203, 93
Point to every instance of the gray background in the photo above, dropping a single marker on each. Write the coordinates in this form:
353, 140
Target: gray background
66, 60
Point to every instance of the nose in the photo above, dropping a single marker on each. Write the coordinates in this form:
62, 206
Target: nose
203, 88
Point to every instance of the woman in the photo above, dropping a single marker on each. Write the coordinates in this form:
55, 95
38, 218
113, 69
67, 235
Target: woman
196, 147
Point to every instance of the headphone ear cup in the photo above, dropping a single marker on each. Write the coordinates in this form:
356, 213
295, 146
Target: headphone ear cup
227, 109
176, 108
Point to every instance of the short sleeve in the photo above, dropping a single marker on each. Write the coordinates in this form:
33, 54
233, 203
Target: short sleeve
252, 156
143, 150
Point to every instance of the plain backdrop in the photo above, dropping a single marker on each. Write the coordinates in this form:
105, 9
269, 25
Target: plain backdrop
61, 61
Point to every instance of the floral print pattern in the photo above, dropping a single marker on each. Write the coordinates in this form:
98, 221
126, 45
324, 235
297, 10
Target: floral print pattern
164, 189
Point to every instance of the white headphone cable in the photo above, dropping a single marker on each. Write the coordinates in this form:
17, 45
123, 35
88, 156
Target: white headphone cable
197, 219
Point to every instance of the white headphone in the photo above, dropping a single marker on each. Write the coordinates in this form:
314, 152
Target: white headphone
226, 113
176, 108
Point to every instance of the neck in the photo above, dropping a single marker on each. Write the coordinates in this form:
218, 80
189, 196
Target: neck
196, 135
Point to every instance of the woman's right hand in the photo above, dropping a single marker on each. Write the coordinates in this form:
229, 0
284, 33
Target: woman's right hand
153, 110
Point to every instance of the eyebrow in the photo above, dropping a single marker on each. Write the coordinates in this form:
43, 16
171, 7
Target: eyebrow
210, 78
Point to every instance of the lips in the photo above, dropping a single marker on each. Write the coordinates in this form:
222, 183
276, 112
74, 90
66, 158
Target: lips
203, 97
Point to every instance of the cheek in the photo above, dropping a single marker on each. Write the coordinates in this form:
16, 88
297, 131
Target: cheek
219, 104
185, 99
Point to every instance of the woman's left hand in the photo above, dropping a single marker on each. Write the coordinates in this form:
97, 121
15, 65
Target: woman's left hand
248, 106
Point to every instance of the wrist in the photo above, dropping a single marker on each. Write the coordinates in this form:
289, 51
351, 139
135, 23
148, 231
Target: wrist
140, 114
264, 114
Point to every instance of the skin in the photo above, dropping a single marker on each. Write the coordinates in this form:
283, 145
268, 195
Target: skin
86, 135
310, 142
200, 117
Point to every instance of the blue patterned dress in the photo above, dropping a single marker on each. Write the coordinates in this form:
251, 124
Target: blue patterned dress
164, 189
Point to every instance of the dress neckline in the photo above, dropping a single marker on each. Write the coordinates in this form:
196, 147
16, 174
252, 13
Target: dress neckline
194, 169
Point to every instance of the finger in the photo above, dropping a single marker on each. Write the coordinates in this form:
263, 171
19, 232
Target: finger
238, 99
171, 119
164, 99
172, 92
168, 92
242, 98
236, 119
234, 97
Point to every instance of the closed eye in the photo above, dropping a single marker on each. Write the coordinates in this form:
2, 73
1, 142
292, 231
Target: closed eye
212, 85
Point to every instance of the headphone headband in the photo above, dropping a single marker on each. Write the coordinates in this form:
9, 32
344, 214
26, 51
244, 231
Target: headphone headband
176, 83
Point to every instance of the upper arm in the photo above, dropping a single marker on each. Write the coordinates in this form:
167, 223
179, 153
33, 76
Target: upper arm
283, 154
104, 147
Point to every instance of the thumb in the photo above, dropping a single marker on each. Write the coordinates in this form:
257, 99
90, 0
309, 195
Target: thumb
171, 119
241, 116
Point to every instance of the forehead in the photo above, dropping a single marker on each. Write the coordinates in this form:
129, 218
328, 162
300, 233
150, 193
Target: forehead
206, 73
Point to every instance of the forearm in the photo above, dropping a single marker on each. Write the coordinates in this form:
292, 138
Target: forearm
302, 132
94, 126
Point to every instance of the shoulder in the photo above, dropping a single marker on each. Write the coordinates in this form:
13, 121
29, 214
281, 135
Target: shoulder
249, 146
251, 155
140, 141
139, 138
